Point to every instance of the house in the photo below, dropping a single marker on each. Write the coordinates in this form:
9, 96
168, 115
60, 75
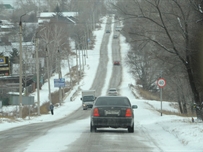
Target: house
7, 9
6, 26
47, 16
6, 49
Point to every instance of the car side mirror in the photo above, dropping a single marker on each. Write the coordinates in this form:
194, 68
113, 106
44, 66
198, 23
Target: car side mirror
134, 106
80, 98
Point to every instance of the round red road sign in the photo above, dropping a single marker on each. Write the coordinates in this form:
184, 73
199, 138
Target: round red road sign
161, 82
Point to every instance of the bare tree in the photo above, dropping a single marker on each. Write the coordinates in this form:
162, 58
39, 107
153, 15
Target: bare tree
169, 25
140, 61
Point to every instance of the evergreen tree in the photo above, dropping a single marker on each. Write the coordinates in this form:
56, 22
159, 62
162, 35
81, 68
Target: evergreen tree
14, 56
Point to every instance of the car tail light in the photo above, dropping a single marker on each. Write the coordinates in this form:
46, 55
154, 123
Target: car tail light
128, 112
96, 112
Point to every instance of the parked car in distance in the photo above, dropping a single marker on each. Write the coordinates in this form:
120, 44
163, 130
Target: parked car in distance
115, 36
118, 28
112, 112
108, 31
112, 91
116, 63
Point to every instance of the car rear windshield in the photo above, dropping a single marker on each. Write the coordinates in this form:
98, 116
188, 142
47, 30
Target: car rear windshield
112, 89
119, 101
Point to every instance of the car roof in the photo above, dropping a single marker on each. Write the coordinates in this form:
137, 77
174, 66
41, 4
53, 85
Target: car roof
112, 89
112, 100
112, 97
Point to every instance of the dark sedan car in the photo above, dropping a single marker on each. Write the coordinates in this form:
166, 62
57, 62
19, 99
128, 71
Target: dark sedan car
113, 112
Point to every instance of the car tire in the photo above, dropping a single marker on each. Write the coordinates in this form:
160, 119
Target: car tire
131, 129
92, 128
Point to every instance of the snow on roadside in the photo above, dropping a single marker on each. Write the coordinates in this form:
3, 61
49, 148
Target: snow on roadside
165, 128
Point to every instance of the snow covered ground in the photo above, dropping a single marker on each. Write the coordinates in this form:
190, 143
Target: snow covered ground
172, 133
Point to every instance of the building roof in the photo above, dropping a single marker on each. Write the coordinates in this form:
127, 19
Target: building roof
6, 50
7, 26
6, 6
5, 22
46, 16
51, 14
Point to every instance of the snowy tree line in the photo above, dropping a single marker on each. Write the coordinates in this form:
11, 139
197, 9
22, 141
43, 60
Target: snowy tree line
165, 38
52, 38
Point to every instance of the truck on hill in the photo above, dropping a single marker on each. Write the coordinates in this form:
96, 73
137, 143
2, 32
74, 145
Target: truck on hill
88, 97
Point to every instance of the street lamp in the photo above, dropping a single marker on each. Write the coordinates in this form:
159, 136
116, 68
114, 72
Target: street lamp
20, 70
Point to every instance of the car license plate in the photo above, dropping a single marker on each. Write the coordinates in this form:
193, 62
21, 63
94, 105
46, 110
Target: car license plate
112, 112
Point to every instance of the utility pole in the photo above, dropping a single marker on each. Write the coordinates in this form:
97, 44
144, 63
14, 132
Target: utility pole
77, 62
83, 51
82, 58
20, 70
48, 74
60, 74
161, 82
37, 67
47, 42
161, 99
71, 81
161, 96
78, 58
86, 44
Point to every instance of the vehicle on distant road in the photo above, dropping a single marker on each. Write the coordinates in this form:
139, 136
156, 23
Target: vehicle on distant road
116, 63
112, 112
108, 31
115, 36
112, 91
88, 97
118, 28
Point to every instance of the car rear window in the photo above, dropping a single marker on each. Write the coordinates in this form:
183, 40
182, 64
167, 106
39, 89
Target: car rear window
119, 101
112, 89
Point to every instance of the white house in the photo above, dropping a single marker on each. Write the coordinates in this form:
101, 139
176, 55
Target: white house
47, 16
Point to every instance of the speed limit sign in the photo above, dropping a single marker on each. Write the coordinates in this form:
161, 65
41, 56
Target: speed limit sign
161, 82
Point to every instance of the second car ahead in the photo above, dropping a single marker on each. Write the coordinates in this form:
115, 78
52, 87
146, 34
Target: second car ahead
116, 63
112, 92
113, 112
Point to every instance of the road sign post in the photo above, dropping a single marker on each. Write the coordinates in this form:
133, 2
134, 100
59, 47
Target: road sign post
161, 83
59, 82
